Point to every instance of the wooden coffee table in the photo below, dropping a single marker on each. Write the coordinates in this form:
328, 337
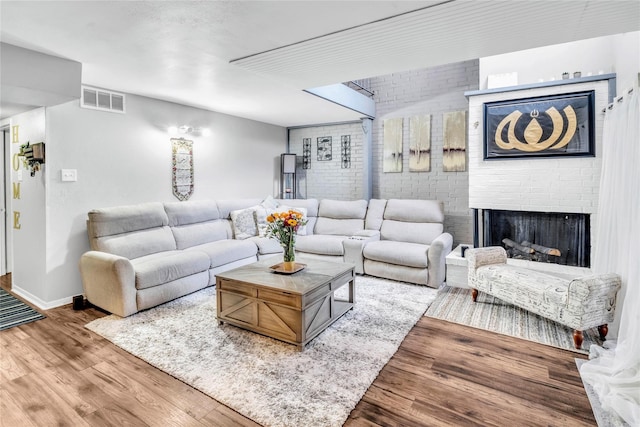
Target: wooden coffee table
293, 308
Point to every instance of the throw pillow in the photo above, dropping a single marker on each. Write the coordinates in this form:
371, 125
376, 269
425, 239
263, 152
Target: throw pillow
244, 223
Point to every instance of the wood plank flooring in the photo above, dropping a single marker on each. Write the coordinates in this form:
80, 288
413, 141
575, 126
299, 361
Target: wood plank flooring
54, 372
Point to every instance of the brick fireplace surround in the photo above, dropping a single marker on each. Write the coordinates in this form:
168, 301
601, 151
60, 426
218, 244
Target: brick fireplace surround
561, 184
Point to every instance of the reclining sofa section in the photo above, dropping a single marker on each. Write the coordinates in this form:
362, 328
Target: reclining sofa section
147, 254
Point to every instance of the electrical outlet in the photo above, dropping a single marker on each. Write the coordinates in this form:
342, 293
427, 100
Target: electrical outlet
68, 175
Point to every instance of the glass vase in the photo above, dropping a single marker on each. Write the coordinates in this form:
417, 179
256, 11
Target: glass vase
289, 256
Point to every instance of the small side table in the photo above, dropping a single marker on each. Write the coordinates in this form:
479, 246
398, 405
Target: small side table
457, 268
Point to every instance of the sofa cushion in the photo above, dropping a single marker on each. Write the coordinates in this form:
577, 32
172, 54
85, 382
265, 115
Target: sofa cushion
191, 212
321, 244
399, 253
311, 205
375, 214
413, 232
522, 287
225, 207
225, 251
411, 210
342, 209
163, 267
338, 227
266, 245
199, 233
243, 223
125, 219
137, 243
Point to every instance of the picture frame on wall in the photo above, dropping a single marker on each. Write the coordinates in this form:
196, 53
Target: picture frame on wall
324, 148
544, 126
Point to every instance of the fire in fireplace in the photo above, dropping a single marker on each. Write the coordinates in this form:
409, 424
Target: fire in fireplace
559, 238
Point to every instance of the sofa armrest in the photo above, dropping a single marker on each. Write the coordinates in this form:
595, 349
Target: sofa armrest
354, 245
438, 251
109, 282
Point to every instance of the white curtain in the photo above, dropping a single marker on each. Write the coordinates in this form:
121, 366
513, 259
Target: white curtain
614, 371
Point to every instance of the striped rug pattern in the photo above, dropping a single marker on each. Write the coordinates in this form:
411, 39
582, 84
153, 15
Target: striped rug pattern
490, 313
14, 312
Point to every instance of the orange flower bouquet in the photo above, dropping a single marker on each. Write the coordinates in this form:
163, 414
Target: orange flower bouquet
284, 227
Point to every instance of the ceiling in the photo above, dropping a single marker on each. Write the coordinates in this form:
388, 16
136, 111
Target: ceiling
254, 58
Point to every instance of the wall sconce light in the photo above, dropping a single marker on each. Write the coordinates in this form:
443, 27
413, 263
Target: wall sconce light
187, 130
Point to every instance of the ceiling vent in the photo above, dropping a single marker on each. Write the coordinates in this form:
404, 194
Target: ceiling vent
100, 99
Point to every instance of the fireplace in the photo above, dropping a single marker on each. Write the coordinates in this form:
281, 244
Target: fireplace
557, 238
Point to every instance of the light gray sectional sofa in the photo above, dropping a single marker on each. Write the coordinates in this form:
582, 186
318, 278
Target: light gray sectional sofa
147, 254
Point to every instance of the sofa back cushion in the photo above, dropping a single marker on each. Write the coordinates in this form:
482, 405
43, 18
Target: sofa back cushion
225, 207
413, 221
375, 214
191, 212
130, 231
340, 218
195, 222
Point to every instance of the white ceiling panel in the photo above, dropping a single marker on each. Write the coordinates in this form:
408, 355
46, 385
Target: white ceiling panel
182, 51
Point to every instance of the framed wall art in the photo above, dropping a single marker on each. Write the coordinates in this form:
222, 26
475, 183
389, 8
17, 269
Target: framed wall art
324, 148
182, 168
454, 146
546, 126
392, 145
345, 151
420, 143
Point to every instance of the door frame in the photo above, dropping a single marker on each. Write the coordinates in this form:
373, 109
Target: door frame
5, 202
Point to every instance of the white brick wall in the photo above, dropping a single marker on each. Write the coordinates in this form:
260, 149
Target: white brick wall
568, 184
327, 179
431, 91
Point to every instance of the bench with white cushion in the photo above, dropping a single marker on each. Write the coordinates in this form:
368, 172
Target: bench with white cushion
579, 303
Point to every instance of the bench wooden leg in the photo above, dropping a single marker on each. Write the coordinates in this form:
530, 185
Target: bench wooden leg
603, 330
474, 294
577, 338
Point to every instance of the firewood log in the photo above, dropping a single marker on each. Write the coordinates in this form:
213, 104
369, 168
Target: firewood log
543, 249
518, 246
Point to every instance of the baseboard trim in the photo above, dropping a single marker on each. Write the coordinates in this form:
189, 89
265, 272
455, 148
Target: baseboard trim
43, 305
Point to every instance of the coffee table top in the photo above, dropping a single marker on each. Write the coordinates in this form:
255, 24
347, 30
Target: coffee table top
315, 274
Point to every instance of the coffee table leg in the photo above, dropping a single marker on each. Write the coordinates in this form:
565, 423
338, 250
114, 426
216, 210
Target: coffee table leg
352, 291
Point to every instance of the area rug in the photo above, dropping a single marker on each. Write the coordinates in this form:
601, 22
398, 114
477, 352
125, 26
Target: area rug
491, 313
14, 312
264, 379
603, 418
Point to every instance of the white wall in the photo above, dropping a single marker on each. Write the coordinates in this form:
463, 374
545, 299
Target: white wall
29, 241
562, 184
126, 159
434, 91
327, 179
618, 54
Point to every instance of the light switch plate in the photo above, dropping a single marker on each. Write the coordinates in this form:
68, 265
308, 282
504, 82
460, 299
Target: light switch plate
69, 175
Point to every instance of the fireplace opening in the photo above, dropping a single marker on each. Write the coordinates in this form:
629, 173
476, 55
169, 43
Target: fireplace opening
558, 238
